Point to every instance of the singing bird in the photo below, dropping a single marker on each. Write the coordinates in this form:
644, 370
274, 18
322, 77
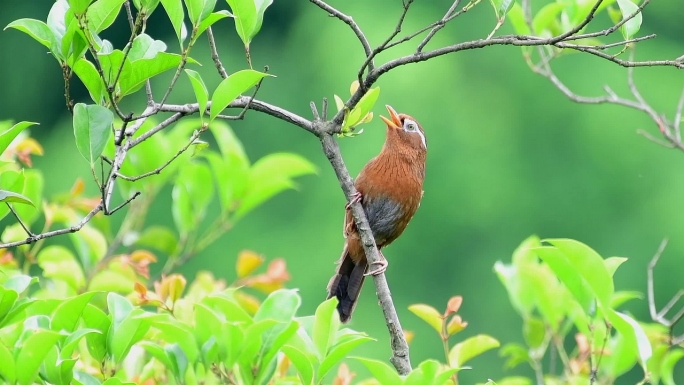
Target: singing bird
390, 188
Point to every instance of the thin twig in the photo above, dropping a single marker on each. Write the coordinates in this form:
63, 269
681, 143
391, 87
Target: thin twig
48, 234
159, 169
23, 226
678, 117
127, 201
438, 25
347, 20
368, 63
650, 280
214, 54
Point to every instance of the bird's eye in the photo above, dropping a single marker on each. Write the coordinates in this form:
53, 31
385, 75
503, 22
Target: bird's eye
410, 125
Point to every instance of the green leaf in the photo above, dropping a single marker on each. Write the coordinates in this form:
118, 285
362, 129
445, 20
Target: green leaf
79, 6
546, 16
211, 20
345, 343
33, 190
191, 196
362, 108
13, 181
160, 238
620, 297
245, 12
37, 29
31, 352
200, 89
589, 265
517, 19
380, 370
125, 334
326, 324
160, 354
144, 47
261, 6
8, 370
470, 348
180, 334
19, 283
231, 87
90, 244
11, 197
102, 13
501, 7
198, 10
96, 319
281, 305
270, 175
301, 362
8, 135
143, 69
174, 8
667, 367
68, 313
634, 333
428, 314
613, 263
87, 73
570, 277
534, 332
632, 26
92, 128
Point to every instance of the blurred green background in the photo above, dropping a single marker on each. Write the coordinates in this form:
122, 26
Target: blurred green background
509, 156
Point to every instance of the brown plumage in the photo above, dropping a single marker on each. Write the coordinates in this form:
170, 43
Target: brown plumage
390, 188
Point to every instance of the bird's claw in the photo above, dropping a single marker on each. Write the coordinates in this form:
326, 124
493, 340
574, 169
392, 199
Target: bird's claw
383, 266
356, 197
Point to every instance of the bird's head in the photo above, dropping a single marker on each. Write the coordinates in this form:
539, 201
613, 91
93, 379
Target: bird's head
405, 129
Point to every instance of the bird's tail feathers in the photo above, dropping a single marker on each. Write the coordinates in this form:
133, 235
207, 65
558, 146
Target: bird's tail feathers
346, 284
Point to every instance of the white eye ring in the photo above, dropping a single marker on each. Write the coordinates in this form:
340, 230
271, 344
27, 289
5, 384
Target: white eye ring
410, 125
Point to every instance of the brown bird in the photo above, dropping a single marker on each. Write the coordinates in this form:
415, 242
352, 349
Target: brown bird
390, 188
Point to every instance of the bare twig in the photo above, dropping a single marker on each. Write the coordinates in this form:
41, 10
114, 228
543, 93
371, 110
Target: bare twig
159, 169
49, 234
438, 25
368, 63
127, 201
240, 102
347, 20
23, 226
214, 54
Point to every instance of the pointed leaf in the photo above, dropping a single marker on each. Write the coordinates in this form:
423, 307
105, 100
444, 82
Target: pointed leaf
231, 87
428, 314
92, 128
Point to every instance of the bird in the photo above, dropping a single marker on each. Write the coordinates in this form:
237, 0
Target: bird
390, 189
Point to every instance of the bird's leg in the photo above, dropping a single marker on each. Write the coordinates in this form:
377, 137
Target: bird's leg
357, 197
382, 263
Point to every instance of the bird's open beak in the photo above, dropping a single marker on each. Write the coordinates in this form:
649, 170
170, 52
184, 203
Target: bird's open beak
394, 121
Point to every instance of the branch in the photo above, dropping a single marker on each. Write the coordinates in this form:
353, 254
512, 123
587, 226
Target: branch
53, 233
214, 54
240, 102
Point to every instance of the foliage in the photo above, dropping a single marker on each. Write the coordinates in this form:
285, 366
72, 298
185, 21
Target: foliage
562, 288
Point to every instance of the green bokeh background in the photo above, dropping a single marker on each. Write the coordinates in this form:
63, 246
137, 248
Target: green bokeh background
509, 156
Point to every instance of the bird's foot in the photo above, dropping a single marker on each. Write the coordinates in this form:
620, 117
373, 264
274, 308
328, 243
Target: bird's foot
357, 197
382, 263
